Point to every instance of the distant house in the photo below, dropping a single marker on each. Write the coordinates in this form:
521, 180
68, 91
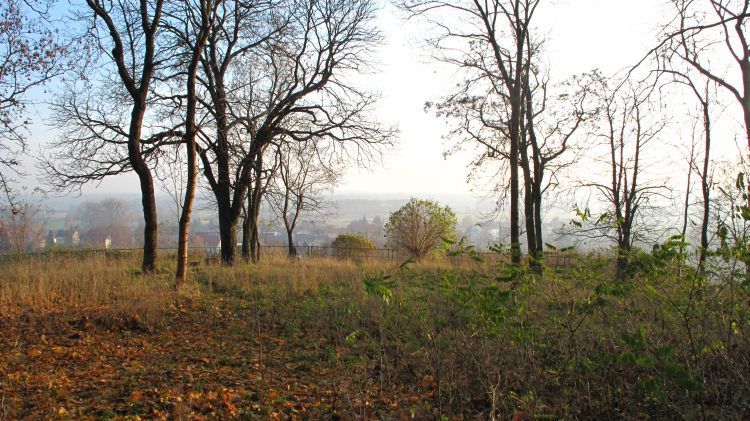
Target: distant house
306, 238
64, 238
270, 237
208, 241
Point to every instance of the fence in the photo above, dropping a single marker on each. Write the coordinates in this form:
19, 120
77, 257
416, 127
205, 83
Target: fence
552, 259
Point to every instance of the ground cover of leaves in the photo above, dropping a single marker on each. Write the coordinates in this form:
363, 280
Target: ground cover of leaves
210, 359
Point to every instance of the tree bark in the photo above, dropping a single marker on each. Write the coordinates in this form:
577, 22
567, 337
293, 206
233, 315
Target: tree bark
246, 231
256, 197
292, 249
145, 178
190, 145
528, 208
705, 188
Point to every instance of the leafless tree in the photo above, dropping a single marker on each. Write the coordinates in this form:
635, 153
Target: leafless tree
103, 115
300, 185
501, 106
702, 168
554, 115
626, 126
30, 55
21, 225
294, 85
191, 26
711, 36
230, 54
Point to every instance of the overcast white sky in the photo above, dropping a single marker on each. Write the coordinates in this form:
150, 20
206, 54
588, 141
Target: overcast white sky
581, 35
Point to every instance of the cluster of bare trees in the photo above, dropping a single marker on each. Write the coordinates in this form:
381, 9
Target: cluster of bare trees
506, 107
527, 129
252, 100
253, 95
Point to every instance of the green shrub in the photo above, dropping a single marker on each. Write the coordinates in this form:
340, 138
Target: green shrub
352, 246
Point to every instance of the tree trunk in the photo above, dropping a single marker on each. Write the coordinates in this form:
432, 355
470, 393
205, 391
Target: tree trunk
686, 206
148, 197
254, 216
624, 247
705, 189
528, 203
745, 68
537, 199
227, 233
515, 240
190, 145
250, 235
246, 233
290, 242
187, 209
223, 192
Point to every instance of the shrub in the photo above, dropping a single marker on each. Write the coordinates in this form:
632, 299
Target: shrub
352, 246
420, 228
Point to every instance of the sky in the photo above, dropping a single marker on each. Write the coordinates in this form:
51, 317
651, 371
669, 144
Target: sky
581, 35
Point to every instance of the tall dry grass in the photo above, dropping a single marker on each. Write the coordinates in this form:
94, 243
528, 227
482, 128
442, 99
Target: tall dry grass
103, 286
107, 286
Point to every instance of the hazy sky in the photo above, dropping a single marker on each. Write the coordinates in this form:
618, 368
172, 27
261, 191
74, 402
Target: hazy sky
581, 35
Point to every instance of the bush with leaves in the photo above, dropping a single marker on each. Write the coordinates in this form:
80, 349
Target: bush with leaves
352, 245
421, 228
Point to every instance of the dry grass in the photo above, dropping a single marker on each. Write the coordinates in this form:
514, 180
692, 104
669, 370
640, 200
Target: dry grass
571, 344
108, 286
103, 287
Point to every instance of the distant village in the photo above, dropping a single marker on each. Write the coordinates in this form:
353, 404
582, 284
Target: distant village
113, 223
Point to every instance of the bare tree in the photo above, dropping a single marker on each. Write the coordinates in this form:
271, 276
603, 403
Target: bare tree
104, 129
30, 55
198, 20
294, 85
302, 179
21, 225
680, 58
230, 55
626, 126
702, 169
500, 105
711, 36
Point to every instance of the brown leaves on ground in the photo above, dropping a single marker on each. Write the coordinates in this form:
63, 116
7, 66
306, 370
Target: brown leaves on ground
207, 362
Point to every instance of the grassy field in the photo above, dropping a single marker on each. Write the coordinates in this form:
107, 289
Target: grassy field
86, 336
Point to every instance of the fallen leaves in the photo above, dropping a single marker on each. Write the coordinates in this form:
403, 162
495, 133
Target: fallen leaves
203, 364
